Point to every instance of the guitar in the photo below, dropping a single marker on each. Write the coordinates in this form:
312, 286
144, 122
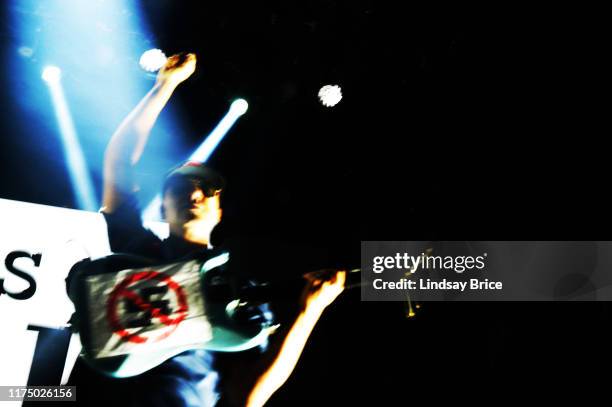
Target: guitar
132, 314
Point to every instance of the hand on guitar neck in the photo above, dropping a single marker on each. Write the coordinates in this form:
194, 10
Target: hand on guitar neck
322, 288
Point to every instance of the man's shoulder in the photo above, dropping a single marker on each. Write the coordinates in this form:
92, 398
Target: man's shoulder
126, 233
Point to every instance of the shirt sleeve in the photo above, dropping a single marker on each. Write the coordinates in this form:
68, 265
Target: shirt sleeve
126, 234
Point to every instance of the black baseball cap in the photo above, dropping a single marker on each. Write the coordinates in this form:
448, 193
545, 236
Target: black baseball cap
193, 171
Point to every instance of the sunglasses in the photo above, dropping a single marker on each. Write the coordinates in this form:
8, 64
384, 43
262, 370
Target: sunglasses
184, 186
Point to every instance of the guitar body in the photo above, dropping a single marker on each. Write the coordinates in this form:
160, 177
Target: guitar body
133, 315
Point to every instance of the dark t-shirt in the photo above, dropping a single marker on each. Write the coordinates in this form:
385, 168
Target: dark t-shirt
127, 235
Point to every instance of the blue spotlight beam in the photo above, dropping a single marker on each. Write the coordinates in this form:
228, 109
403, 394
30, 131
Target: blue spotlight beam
204, 151
104, 37
79, 176
237, 109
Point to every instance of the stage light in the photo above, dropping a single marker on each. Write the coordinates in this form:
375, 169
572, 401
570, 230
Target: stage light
205, 150
239, 107
330, 95
51, 74
77, 169
153, 60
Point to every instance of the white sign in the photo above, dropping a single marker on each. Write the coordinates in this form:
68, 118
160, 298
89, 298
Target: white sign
38, 246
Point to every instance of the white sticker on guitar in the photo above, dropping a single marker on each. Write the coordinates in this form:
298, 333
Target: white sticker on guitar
150, 309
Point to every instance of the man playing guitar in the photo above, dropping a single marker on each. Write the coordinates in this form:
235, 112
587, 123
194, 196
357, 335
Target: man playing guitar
191, 206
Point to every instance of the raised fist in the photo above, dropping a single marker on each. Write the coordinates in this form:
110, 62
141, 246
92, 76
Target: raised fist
178, 68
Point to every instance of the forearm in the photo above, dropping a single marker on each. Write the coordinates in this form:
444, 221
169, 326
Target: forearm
290, 350
130, 137
128, 142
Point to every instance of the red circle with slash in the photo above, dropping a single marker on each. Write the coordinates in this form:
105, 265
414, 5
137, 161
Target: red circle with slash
122, 290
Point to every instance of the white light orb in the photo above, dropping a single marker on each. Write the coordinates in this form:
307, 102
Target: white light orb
239, 107
152, 60
330, 95
51, 74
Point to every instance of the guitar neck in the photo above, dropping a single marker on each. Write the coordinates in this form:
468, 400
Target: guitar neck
290, 288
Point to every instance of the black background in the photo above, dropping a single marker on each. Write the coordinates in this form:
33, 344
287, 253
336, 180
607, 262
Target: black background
458, 122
